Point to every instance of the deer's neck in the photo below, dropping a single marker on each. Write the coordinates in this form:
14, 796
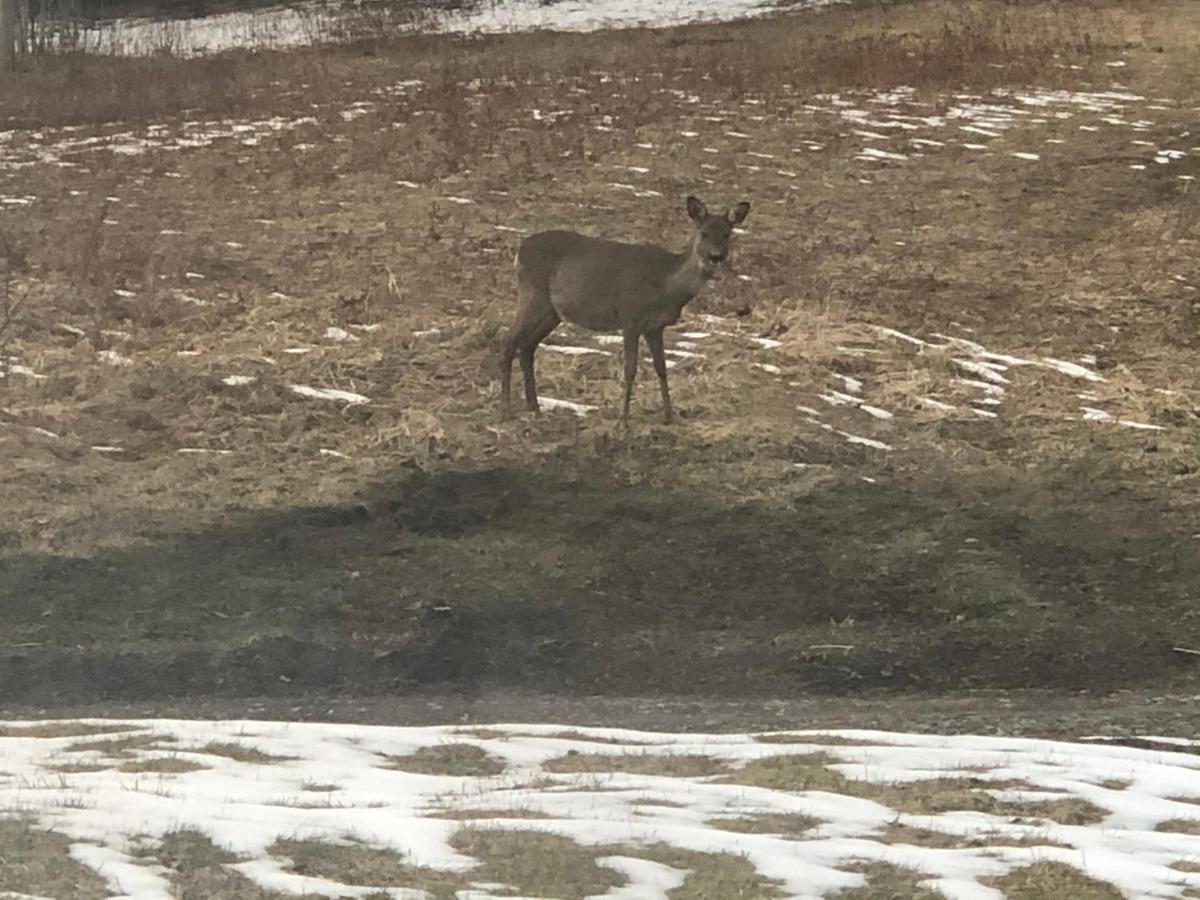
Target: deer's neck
686, 278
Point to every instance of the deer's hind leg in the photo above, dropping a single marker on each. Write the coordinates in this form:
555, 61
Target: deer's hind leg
536, 318
654, 338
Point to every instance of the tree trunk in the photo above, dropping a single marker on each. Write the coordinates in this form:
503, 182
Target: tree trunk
8, 35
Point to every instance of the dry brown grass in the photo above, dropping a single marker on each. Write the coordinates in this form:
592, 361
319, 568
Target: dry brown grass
832, 740
885, 882
1049, 880
810, 772
457, 760
1180, 826
477, 814
242, 753
935, 43
120, 747
575, 518
671, 765
365, 866
38, 863
62, 729
923, 837
535, 864
166, 765
199, 870
792, 825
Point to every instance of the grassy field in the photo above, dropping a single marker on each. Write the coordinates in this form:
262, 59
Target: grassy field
185, 242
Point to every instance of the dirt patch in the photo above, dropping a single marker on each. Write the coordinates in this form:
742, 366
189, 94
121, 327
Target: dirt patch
1044, 881
671, 765
37, 862
458, 760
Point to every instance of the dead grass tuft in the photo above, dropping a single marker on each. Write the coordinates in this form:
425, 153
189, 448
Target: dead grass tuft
710, 875
885, 882
477, 814
62, 729
1180, 826
119, 747
366, 866
1047, 880
535, 864
166, 765
922, 837
792, 825
38, 863
672, 765
810, 772
242, 753
455, 760
199, 870
832, 740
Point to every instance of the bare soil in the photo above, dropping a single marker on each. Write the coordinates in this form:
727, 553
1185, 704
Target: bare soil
175, 540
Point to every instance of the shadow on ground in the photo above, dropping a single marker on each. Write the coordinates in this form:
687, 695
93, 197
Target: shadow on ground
530, 578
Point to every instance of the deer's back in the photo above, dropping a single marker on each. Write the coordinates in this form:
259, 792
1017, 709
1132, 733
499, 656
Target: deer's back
595, 283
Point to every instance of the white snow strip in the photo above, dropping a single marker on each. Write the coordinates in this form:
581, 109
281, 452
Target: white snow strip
1069, 368
580, 409
876, 412
574, 351
936, 404
875, 153
328, 394
853, 385
983, 370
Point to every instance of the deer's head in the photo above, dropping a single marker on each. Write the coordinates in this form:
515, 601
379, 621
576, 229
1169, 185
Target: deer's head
711, 244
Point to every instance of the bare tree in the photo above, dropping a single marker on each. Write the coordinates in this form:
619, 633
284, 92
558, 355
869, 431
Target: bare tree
8, 34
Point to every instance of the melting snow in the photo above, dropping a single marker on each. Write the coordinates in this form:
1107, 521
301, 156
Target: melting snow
328, 394
580, 409
109, 815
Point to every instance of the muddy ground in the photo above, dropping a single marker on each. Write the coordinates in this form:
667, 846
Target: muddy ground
838, 513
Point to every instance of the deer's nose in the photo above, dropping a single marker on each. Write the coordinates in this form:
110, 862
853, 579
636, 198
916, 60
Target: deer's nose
716, 257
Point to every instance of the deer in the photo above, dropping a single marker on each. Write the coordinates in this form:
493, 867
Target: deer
602, 285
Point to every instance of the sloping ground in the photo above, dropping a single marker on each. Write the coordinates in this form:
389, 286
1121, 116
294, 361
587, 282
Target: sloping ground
170, 808
939, 424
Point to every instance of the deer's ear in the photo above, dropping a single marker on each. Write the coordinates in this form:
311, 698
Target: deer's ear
696, 209
738, 214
